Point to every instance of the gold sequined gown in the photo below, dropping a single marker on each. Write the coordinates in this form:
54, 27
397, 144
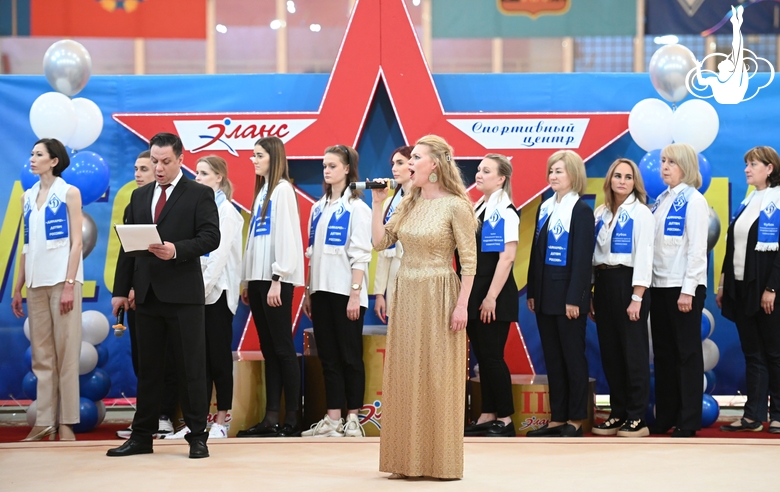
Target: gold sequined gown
424, 385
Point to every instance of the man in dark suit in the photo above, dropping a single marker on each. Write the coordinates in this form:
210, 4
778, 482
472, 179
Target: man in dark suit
169, 295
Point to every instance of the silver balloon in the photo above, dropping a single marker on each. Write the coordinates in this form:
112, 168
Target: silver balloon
669, 66
713, 230
88, 234
67, 66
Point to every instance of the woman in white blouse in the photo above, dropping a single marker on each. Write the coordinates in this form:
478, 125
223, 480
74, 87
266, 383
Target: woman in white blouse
678, 290
336, 299
623, 263
389, 260
273, 266
53, 272
747, 292
222, 278
493, 302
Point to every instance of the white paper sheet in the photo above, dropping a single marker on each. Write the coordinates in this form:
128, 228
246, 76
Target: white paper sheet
137, 237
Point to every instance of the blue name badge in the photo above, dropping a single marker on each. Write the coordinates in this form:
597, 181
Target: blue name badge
622, 235
769, 225
56, 219
493, 234
262, 225
674, 224
338, 227
557, 245
315, 219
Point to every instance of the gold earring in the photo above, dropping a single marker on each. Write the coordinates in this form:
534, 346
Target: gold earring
433, 177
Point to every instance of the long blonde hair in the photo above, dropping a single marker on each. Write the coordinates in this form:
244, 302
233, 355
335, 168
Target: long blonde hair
639, 184
450, 178
220, 168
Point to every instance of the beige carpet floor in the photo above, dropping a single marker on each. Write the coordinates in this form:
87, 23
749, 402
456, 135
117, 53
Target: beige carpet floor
657, 465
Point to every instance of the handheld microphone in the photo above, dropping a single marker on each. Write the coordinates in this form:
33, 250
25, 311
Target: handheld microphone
373, 185
119, 327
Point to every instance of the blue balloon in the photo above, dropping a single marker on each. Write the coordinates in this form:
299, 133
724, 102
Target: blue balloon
27, 177
709, 410
650, 168
706, 328
30, 386
88, 416
706, 173
89, 173
28, 359
102, 354
94, 385
711, 382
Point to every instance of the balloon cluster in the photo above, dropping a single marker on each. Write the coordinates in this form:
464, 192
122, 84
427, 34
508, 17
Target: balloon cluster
710, 410
94, 382
653, 124
77, 123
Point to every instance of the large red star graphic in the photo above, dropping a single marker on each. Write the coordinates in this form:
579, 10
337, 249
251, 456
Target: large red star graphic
380, 44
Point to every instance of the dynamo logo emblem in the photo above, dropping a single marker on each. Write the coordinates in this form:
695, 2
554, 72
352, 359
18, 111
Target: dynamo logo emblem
770, 209
623, 218
54, 204
679, 203
494, 218
558, 230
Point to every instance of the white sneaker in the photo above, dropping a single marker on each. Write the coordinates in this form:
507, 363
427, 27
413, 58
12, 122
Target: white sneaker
326, 428
353, 428
179, 435
125, 433
164, 428
217, 431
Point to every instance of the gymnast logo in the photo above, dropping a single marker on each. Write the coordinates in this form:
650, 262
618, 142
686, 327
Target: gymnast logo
533, 423
730, 84
232, 135
371, 413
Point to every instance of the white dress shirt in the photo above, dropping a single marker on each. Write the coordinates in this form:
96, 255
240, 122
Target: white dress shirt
741, 229
221, 268
681, 265
158, 190
641, 257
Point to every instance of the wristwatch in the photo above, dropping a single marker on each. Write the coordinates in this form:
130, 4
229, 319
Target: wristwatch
70, 281
769, 289
636, 298
356, 286
275, 278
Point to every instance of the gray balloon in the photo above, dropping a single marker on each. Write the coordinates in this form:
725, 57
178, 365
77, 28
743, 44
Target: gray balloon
713, 230
669, 67
88, 234
67, 66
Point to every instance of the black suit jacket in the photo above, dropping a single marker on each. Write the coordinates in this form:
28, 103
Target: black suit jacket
552, 287
762, 270
189, 220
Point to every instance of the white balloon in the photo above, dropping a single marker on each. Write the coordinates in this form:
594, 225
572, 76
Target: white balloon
704, 388
27, 328
696, 123
101, 408
88, 358
89, 124
711, 354
32, 413
94, 327
650, 124
53, 115
705, 312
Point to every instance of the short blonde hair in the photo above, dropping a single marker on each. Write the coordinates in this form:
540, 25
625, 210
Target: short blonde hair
687, 160
575, 168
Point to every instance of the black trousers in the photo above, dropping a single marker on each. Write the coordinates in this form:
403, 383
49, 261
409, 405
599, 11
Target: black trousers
678, 358
563, 345
219, 353
759, 336
170, 395
340, 347
625, 350
488, 341
274, 329
181, 325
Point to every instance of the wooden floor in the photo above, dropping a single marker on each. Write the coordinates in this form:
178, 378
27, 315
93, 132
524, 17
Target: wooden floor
658, 465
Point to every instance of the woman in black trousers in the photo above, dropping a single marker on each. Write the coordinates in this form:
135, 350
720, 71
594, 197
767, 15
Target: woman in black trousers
493, 302
559, 274
623, 262
678, 290
748, 285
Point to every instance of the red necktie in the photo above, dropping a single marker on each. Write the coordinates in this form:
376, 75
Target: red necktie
160, 202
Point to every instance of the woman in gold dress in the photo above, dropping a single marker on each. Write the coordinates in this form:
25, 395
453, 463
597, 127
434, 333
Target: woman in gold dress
425, 366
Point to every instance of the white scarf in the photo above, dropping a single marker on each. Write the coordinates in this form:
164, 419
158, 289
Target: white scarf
558, 212
625, 212
769, 207
674, 229
345, 206
55, 205
497, 200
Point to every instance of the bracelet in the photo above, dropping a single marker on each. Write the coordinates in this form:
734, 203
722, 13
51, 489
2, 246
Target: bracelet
720, 287
636, 298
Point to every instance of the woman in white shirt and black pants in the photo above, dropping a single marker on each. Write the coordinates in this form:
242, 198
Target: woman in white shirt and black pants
221, 278
272, 268
678, 291
623, 270
336, 298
